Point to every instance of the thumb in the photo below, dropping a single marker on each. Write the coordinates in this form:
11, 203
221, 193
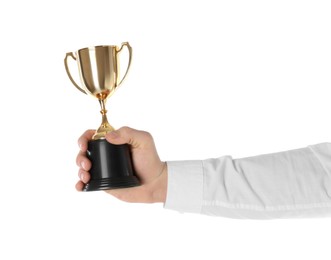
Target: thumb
127, 135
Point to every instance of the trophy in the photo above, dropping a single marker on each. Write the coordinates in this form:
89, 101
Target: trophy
99, 71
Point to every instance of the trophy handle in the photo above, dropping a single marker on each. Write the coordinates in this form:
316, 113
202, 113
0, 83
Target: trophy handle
130, 58
68, 71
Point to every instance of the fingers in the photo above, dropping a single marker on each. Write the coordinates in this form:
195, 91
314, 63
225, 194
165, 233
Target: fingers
82, 161
130, 136
79, 186
83, 140
84, 166
84, 177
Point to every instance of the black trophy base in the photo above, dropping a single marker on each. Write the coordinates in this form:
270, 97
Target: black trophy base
111, 166
112, 183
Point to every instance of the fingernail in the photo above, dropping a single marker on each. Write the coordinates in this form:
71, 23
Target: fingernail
83, 164
81, 176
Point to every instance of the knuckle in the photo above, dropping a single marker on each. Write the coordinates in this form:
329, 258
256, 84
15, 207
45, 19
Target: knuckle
88, 132
126, 130
78, 160
86, 136
148, 138
148, 135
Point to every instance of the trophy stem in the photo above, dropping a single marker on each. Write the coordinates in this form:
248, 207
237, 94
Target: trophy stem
105, 127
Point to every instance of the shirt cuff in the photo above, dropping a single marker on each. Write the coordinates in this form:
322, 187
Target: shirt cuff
185, 186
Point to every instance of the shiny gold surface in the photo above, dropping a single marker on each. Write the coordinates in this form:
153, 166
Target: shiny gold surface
105, 127
70, 54
99, 71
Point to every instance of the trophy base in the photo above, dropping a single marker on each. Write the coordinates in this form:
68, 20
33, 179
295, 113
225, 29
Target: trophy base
111, 166
112, 183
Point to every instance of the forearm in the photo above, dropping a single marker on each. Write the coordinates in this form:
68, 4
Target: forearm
295, 183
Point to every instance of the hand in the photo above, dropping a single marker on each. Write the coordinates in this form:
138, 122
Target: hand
151, 171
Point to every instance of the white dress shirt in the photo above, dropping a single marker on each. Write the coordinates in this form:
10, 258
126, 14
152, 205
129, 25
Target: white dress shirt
289, 184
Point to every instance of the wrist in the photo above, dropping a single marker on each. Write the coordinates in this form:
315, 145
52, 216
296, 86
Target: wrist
159, 190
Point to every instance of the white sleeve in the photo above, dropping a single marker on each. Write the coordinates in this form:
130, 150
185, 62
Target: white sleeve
295, 183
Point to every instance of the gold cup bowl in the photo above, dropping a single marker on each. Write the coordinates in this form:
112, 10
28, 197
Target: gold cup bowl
99, 71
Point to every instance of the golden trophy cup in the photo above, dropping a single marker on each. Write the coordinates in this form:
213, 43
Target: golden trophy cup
99, 71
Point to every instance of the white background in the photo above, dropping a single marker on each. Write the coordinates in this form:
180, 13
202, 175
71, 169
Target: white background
209, 78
